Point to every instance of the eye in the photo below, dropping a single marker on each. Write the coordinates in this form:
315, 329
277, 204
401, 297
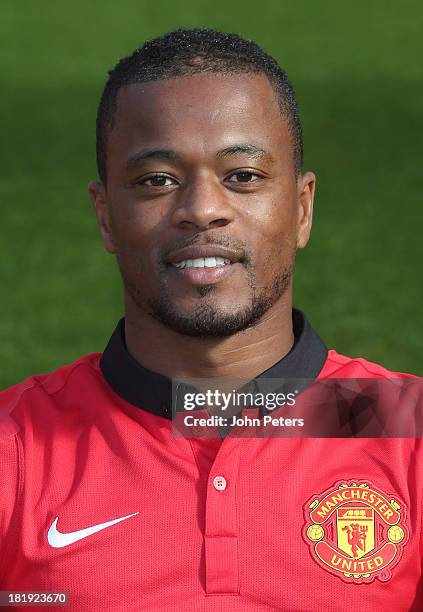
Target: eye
157, 180
245, 176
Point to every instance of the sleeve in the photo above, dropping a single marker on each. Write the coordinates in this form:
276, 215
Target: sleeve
10, 473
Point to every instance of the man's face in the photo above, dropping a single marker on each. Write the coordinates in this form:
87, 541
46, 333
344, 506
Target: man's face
202, 206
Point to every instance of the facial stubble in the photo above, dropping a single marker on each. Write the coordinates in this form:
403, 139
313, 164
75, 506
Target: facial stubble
208, 320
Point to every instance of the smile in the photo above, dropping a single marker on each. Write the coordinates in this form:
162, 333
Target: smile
202, 262
204, 270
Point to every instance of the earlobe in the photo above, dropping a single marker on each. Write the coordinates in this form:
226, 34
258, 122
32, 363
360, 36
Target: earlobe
306, 189
98, 196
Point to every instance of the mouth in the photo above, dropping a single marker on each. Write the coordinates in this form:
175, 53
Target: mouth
201, 262
204, 265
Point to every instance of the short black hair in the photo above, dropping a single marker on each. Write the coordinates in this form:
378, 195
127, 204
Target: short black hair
185, 52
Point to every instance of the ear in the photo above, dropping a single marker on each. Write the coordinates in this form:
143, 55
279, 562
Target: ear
98, 197
306, 185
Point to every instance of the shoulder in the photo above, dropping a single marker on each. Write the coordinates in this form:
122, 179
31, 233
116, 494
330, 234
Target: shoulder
341, 366
28, 411
38, 389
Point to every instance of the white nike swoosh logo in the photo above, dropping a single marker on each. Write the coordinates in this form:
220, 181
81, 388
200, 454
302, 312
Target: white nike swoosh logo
58, 540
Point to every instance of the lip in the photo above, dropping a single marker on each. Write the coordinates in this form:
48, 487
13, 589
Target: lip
206, 250
205, 276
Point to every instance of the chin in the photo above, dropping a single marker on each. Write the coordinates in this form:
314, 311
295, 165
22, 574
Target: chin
207, 320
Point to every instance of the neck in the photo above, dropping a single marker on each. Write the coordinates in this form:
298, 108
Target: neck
243, 355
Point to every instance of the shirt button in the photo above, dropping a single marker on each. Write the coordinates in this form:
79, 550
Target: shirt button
219, 483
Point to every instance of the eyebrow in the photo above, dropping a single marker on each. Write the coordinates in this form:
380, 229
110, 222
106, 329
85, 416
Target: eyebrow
246, 149
164, 154
169, 154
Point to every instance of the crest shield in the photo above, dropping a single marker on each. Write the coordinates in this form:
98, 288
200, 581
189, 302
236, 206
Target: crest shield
355, 526
356, 531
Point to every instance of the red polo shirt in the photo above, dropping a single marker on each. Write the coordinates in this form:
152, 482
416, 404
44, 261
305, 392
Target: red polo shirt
100, 500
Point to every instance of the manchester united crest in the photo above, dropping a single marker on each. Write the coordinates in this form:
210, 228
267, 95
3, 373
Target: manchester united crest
355, 531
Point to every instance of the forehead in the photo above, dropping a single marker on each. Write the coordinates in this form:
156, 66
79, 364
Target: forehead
199, 112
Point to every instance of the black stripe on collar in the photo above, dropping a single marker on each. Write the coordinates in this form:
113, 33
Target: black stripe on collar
152, 391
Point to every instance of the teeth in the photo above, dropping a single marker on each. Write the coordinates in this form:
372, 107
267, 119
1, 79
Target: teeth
202, 262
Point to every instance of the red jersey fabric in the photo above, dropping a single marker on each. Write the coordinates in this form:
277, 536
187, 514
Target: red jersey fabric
239, 524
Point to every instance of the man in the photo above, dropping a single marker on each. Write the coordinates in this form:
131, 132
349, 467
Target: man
203, 202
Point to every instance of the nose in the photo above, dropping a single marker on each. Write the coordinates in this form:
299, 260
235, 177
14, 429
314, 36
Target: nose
203, 204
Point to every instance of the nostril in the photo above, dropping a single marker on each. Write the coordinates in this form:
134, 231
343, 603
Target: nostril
203, 226
219, 223
188, 224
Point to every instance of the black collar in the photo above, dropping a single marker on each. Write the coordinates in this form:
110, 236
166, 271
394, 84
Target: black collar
153, 392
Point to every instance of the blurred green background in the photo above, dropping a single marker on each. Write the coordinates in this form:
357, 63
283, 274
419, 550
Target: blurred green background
357, 71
